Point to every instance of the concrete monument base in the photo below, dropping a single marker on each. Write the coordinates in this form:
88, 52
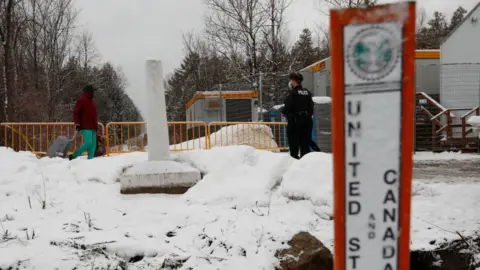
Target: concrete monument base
163, 176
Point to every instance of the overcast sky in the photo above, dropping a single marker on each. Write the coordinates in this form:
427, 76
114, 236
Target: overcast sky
128, 32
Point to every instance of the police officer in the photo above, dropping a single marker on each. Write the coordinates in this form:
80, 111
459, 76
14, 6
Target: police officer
298, 108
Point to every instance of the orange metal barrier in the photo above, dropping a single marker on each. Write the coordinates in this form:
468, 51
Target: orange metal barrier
37, 137
125, 137
261, 135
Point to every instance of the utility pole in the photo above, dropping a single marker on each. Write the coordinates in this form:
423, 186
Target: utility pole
260, 99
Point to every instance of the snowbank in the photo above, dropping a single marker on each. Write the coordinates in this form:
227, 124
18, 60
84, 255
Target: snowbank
314, 170
255, 135
233, 219
277, 107
60, 214
322, 100
249, 183
260, 110
444, 156
474, 120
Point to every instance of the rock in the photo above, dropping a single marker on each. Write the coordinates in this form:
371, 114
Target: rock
305, 252
453, 255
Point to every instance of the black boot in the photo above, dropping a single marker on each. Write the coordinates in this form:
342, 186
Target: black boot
70, 157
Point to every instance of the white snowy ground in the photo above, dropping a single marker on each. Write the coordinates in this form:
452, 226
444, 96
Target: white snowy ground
246, 207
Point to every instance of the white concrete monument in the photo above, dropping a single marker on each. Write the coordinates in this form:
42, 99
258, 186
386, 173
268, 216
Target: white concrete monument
158, 174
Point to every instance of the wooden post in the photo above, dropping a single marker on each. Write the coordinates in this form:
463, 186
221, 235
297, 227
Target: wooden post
464, 133
449, 124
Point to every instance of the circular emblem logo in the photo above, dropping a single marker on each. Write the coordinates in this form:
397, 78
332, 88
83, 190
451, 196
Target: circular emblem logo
373, 53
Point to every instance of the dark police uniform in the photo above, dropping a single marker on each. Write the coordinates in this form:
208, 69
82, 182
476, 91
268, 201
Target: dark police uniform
298, 108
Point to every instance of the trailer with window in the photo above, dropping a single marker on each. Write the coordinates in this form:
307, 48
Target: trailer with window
223, 106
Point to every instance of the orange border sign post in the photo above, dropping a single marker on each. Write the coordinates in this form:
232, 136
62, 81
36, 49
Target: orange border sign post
373, 98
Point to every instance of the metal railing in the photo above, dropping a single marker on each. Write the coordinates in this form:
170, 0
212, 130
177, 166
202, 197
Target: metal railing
37, 137
454, 137
125, 137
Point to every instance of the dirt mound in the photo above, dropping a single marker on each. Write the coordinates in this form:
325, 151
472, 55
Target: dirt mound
455, 255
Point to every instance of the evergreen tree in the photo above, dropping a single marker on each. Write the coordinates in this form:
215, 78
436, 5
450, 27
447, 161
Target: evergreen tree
196, 73
431, 36
303, 52
113, 103
437, 28
457, 18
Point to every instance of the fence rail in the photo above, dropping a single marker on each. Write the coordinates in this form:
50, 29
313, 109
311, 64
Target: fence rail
37, 137
125, 137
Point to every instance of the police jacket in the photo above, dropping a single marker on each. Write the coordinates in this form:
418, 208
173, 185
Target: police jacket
298, 102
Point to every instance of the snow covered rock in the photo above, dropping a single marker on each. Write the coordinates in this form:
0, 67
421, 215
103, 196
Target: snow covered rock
305, 252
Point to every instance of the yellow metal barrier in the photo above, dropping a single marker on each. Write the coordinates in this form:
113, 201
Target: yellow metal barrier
261, 135
37, 137
125, 137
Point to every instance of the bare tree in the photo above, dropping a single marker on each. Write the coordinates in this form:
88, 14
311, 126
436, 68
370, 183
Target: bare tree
322, 41
421, 19
57, 18
344, 4
32, 31
6, 35
86, 50
234, 28
193, 42
350, 3
42, 66
273, 29
275, 55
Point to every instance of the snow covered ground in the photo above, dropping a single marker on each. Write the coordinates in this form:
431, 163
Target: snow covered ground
57, 214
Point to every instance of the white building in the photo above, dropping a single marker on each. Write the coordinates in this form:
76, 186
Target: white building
460, 64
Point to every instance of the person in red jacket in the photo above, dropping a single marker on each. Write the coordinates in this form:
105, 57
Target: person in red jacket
86, 122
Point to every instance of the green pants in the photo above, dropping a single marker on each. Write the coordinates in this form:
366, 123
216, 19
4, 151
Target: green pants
89, 143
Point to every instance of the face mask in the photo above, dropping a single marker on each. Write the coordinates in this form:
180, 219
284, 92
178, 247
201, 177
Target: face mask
290, 85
